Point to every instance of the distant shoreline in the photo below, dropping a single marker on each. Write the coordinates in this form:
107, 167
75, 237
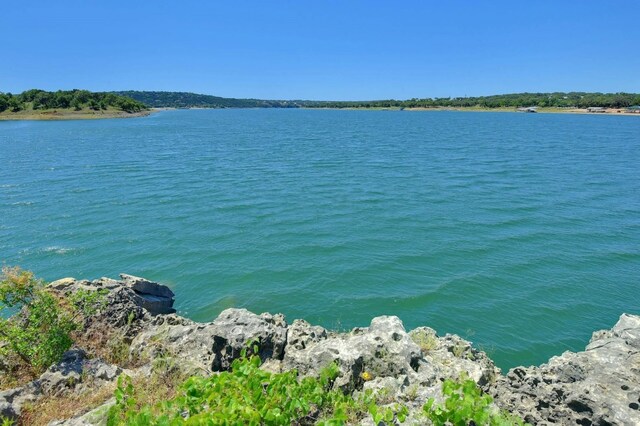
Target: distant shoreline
55, 115
85, 114
549, 110
607, 111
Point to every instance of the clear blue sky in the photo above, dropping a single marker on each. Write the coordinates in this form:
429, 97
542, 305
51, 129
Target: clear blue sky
333, 49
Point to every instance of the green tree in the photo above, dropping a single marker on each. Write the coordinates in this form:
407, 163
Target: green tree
76, 104
39, 332
4, 102
14, 104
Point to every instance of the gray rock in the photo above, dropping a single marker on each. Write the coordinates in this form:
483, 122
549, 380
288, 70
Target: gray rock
213, 346
63, 283
107, 283
142, 285
451, 357
65, 375
235, 328
71, 374
74, 369
301, 334
600, 386
384, 349
96, 417
12, 400
154, 297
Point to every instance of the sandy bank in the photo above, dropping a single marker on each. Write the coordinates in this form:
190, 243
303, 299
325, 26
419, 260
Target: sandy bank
85, 114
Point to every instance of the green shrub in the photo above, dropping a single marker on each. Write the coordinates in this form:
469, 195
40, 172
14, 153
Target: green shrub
248, 395
464, 405
427, 341
40, 331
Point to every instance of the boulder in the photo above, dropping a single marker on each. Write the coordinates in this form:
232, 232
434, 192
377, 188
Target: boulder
451, 357
155, 298
211, 347
600, 386
384, 349
12, 400
64, 375
74, 373
97, 416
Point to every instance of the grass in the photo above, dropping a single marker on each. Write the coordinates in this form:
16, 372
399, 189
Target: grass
16, 375
61, 407
111, 345
426, 341
161, 385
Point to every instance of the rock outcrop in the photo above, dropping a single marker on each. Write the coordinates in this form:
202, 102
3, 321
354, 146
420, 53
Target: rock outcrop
211, 347
600, 386
74, 373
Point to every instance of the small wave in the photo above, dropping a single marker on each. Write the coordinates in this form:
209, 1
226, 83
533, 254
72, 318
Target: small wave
22, 203
57, 250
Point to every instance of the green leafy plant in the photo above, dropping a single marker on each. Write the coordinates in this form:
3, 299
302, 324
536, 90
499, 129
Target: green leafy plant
388, 414
39, 332
6, 422
248, 395
466, 405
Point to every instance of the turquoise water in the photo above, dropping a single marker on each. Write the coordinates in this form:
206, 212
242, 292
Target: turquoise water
520, 232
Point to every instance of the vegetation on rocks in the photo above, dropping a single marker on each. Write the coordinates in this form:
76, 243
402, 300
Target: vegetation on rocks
466, 404
243, 395
133, 361
40, 331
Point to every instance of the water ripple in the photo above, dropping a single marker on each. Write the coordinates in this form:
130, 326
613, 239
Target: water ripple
521, 232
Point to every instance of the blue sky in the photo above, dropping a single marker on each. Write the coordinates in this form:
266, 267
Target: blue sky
333, 49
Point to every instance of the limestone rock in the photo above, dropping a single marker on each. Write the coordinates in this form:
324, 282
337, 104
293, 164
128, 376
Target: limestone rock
213, 346
450, 357
71, 374
155, 298
62, 283
383, 349
600, 386
97, 416
144, 286
12, 400
64, 375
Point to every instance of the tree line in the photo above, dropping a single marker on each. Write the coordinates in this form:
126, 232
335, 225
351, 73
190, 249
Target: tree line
133, 101
76, 99
514, 100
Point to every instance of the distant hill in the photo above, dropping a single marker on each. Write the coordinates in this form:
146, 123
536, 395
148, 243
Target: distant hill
555, 99
195, 100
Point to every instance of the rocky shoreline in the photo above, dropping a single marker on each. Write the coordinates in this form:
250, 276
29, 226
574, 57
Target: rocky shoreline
599, 386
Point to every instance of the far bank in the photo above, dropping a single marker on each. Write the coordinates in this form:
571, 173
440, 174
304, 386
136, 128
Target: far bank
65, 114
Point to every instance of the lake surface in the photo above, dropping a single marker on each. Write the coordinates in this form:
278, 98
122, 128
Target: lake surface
520, 232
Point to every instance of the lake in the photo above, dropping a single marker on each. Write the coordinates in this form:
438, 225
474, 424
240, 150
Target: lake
520, 232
